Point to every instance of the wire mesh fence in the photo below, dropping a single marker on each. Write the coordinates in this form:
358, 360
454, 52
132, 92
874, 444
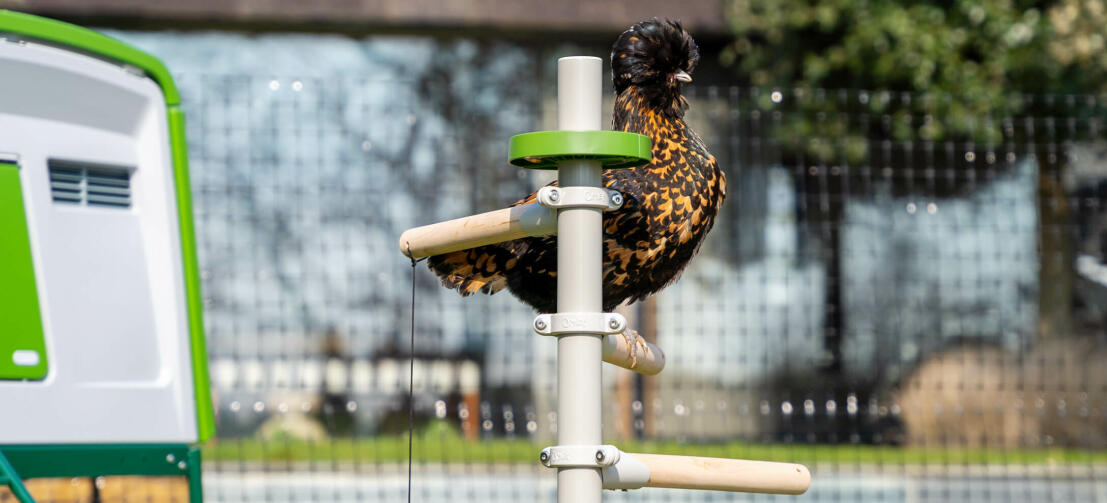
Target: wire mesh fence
917, 310
917, 318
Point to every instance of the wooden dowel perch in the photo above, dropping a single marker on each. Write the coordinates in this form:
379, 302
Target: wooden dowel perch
719, 474
478, 230
631, 351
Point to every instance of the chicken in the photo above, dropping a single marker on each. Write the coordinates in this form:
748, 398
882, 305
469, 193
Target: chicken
669, 204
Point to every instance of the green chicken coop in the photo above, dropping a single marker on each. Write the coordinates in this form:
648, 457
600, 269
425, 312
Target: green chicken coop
102, 362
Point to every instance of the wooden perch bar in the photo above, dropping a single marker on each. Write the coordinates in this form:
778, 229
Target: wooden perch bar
631, 351
478, 230
719, 474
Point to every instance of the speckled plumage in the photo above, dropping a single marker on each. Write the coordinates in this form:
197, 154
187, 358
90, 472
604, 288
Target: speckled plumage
670, 204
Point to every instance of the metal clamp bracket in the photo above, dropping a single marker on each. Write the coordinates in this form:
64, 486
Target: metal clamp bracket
579, 323
580, 197
573, 456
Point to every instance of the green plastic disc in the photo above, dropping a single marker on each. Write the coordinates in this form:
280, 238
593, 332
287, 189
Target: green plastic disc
545, 149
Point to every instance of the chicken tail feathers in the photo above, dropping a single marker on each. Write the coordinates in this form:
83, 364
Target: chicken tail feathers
482, 269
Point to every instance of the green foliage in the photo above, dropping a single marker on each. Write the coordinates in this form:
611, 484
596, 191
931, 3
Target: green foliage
1079, 41
962, 61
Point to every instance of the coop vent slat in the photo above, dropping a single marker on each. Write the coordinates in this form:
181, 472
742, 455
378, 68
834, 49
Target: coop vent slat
110, 187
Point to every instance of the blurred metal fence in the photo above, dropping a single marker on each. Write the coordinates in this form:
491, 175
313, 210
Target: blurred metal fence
918, 319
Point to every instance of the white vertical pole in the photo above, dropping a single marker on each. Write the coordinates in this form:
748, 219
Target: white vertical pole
579, 283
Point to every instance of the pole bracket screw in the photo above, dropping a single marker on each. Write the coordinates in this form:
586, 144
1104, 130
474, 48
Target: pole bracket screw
580, 323
580, 197
586, 456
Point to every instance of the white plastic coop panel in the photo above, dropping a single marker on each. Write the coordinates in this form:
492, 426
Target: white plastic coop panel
108, 272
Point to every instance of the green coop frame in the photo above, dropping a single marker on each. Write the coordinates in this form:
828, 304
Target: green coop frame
18, 462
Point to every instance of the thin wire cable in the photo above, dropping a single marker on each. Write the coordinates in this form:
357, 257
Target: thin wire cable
411, 381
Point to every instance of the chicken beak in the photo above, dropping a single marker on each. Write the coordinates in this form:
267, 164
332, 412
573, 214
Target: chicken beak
682, 76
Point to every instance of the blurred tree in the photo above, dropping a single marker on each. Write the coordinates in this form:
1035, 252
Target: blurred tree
964, 59
954, 73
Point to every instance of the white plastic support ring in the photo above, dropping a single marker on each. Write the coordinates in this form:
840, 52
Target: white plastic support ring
579, 323
575, 456
580, 197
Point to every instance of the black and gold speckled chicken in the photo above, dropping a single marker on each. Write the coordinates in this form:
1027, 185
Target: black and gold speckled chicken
670, 204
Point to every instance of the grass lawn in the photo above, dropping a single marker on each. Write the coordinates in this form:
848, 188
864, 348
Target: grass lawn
441, 444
